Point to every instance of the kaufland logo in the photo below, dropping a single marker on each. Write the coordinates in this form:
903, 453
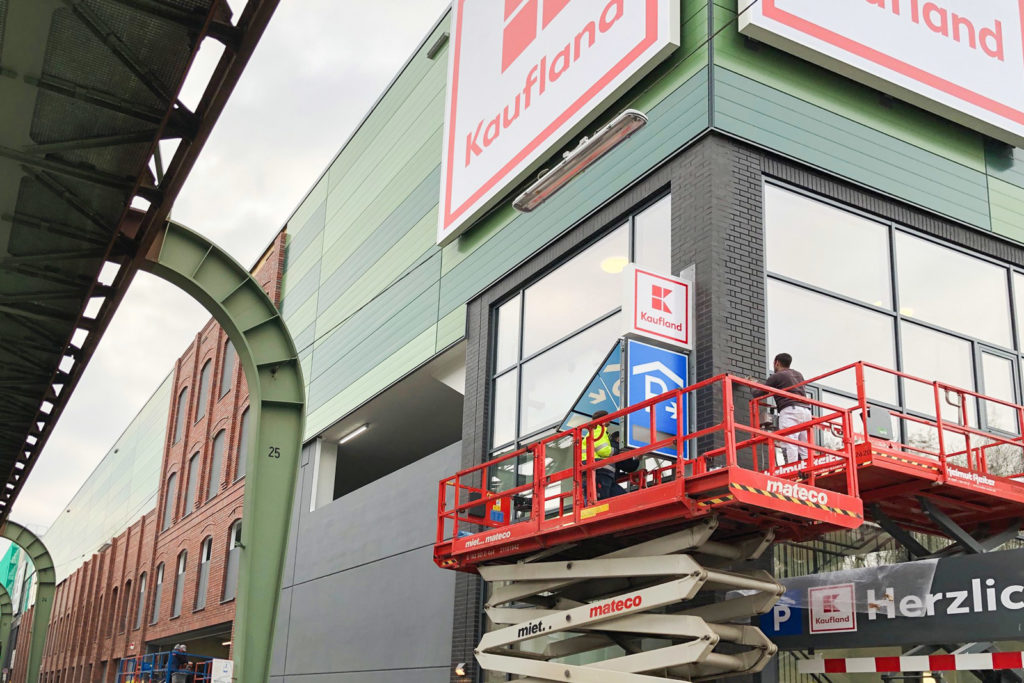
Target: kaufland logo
832, 608
658, 296
526, 76
661, 306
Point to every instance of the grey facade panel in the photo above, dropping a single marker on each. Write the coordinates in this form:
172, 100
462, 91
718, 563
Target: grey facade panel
384, 519
280, 647
431, 675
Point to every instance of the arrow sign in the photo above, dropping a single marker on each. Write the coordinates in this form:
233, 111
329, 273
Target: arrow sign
654, 371
597, 397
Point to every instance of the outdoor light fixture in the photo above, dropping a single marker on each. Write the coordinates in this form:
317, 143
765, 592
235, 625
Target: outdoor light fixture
576, 161
353, 434
460, 669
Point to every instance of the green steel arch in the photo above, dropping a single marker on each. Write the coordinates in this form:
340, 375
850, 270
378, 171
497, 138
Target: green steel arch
46, 579
6, 616
278, 408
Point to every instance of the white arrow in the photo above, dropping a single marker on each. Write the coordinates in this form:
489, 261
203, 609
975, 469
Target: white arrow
596, 397
614, 367
658, 366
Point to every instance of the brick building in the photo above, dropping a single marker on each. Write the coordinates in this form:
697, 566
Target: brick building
170, 576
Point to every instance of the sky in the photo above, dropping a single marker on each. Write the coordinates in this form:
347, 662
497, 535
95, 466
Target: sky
318, 69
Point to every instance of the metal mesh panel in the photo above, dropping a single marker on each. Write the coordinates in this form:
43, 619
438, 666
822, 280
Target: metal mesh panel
3, 22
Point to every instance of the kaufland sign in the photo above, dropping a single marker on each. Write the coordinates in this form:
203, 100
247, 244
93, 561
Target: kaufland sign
962, 59
658, 306
526, 75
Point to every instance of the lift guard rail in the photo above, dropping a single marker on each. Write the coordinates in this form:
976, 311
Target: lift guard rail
153, 668
692, 474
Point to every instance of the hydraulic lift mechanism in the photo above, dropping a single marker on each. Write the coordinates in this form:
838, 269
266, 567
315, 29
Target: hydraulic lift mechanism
660, 582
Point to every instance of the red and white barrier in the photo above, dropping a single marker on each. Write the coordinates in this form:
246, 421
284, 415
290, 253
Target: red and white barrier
985, 661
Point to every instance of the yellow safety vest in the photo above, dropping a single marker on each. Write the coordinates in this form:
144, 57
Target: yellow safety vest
602, 444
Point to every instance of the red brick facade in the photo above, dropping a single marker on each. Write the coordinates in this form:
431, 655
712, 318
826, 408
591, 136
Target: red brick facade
96, 619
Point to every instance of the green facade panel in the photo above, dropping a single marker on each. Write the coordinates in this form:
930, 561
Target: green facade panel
1007, 209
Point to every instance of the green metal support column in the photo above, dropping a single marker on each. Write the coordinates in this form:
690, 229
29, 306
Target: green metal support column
6, 617
46, 581
277, 404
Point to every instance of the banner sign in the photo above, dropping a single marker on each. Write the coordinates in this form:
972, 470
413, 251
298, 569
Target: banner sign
949, 600
524, 76
658, 306
961, 59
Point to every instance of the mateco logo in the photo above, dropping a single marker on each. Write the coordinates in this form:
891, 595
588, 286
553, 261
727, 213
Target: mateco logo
832, 608
521, 27
797, 491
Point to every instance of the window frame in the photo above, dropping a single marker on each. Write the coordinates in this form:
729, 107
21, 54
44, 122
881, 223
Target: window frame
203, 397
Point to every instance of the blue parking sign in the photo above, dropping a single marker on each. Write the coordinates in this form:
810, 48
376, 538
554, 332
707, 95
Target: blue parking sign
653, 371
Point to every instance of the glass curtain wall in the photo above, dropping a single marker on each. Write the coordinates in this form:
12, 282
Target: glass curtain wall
843, 286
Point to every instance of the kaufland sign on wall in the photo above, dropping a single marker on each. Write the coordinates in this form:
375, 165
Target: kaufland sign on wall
526, 75
658, 306
962, 59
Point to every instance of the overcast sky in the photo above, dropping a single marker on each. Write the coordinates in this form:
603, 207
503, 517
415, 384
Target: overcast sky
318, 69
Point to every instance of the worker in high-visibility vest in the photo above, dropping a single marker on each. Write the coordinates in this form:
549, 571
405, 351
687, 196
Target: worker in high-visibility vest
602, 447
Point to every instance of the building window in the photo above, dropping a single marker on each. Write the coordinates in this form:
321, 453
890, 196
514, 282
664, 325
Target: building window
158, 587
190, 485
243, 446
551, 337
875, 291
203, 581
127, 607
111, 614
204, 390
213, 481
172, 492
179, 583
227, 372
140, 601
231, 568
179, 416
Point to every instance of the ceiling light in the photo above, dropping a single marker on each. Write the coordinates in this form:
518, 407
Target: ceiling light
576, 161
614, 264
353, 434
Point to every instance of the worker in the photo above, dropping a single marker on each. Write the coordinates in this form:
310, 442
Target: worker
177, 661
602, 446
791, 411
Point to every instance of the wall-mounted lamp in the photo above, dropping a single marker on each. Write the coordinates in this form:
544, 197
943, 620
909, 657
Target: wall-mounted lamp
353, 434
576, 161
460, 669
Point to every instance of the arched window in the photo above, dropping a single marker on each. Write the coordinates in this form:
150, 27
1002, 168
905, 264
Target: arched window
140, 602
158, 588
190, 485
203, 581
172, 492
231, 570
179, 416
204, 390
213, 481
243, 446
227, 373
179, 583
126, 608
112, 614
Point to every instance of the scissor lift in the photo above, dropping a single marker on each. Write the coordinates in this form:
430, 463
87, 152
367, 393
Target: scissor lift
570, 575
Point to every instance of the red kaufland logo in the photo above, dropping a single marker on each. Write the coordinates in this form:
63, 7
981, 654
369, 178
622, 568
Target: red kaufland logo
525, 77
658, 296
521, 27
832, 608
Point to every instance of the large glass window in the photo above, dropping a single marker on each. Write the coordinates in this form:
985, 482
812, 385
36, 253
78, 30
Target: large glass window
213, 481
550, 338
190, 485
204, 390
127, 607
203, 579
837, 293
952, 289
243, 446
140, 603
158, 587
172, 492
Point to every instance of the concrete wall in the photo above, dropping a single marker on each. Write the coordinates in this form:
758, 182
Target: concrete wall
362, 599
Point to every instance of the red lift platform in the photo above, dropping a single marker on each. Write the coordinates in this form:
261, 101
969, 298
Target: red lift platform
951, 478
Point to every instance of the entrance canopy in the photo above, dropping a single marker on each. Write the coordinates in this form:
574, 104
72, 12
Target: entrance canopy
88, 88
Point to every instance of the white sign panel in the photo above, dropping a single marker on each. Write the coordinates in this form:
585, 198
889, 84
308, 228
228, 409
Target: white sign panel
831, 609
526, 75
221, 670
658, 306
962, 59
